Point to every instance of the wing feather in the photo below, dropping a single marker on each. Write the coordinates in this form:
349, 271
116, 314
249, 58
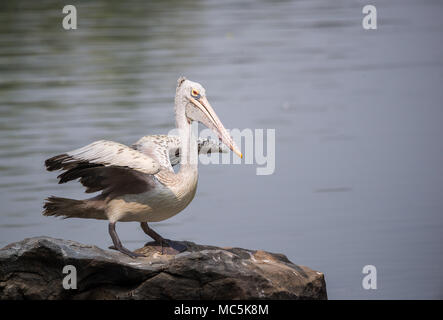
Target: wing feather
166, 148
107, 166
106, 153
157, 147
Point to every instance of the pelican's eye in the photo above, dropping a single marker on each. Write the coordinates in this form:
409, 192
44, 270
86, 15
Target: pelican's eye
195, 94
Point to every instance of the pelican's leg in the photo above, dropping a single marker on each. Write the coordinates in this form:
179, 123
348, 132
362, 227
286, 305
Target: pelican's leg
118, 244
175, 246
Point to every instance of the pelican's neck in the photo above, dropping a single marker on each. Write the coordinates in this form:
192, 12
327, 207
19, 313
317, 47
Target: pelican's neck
188, 143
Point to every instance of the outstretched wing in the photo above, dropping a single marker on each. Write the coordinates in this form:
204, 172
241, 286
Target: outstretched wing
106, 166
157, 147
105, 153
166, 148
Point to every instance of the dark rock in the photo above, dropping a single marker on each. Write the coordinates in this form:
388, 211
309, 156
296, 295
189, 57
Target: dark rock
32, 269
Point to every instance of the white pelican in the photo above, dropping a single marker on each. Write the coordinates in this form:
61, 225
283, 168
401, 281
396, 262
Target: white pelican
138, 183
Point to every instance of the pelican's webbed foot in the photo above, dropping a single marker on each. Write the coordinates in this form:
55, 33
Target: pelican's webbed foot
118, 245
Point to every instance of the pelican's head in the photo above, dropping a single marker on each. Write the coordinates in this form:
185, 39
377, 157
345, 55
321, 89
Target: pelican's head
197, 108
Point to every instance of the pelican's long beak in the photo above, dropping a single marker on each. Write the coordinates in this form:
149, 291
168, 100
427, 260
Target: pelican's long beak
211, 121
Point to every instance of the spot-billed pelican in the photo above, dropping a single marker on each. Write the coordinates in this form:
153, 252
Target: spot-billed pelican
138, 183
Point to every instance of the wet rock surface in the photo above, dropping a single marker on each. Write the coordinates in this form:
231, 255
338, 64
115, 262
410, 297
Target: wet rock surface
33, 269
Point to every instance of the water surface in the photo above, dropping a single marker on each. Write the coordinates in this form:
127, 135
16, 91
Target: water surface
358, 119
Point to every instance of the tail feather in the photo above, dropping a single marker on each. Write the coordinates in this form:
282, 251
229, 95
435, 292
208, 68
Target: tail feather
70, 208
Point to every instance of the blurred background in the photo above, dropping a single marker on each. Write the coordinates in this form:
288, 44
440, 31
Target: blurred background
358, 119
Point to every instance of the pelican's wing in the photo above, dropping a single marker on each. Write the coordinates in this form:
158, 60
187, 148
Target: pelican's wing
106, 166
167, 148
106, 153
157, 147
205, 146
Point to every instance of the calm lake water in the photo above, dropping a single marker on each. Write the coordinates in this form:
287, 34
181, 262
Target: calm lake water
358, 118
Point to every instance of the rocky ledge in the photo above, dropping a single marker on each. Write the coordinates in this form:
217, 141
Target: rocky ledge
33, 269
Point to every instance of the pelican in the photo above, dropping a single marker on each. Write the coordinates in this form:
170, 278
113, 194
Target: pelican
138, 183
